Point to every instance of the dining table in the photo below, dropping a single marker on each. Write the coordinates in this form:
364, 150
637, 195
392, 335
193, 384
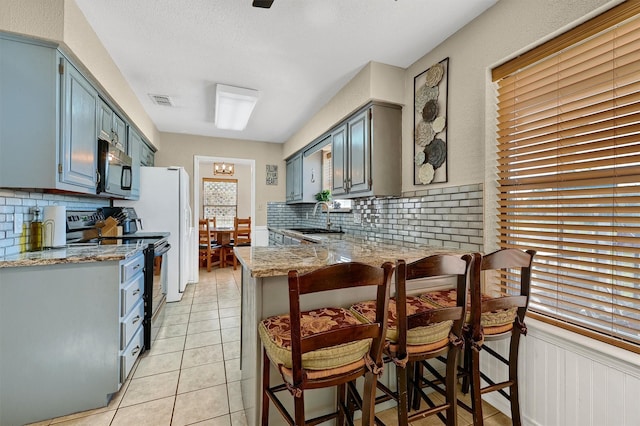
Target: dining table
222, 237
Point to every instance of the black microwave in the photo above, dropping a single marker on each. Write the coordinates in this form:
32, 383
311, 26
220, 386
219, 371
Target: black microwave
114, 171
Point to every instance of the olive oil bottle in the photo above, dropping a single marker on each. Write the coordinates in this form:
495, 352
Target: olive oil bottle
35, 233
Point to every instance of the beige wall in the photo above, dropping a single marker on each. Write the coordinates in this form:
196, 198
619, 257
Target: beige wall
62, 21
374, 81
179, 150
508, 28
242, 173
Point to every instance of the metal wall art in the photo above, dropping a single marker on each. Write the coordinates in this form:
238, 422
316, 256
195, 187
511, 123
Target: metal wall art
430, 124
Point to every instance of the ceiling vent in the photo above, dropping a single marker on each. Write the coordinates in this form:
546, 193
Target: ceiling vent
162, 100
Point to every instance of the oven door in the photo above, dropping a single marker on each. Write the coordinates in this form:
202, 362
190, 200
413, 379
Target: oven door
155, 290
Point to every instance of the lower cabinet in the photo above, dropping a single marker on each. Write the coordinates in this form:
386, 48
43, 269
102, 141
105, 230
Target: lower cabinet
69, 334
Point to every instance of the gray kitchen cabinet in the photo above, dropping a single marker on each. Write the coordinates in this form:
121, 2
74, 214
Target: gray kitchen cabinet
135, 149
147, 155
294, 178
113, 128
366, 153
48, 119
304, 177
69, 334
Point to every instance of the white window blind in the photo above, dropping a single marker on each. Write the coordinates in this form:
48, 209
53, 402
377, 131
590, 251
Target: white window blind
569, 176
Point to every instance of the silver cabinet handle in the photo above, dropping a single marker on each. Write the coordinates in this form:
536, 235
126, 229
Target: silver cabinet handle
136, 319
136, 292
135, 350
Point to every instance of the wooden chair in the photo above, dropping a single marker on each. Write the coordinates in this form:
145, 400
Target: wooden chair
418, 331
212, 233
209, 255
514, 266
336, 350
241, 237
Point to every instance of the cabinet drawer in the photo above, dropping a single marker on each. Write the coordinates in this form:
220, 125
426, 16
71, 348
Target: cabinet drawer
131, 268
130, 324
130, 294
130, 354
279, 238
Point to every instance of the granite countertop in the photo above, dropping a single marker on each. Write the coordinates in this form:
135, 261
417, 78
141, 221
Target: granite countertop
278, 260
72, 254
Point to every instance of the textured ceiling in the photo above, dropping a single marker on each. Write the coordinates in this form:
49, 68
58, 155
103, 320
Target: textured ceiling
298, 54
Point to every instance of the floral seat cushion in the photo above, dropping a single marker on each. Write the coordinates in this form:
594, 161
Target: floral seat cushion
447, 298
275, 333
366, 312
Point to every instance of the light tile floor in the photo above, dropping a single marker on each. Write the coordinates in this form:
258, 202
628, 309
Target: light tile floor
192, 373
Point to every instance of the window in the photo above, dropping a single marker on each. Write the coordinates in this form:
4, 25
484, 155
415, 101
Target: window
568, 165
220, 200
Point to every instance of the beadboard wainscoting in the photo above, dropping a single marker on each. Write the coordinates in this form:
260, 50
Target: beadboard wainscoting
570, 380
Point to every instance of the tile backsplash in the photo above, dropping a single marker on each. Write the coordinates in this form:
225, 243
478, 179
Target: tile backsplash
14, 203
442, 217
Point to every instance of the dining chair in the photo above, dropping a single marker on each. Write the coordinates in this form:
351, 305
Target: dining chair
241, 237
418, 332
209, 254
494, 318
325, 347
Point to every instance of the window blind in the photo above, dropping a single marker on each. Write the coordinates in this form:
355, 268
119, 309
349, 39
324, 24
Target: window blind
568, 166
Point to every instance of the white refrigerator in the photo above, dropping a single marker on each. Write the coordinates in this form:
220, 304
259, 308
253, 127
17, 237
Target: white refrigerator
164, 207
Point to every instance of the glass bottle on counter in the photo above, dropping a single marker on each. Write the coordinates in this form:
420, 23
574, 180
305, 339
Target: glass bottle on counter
36, 230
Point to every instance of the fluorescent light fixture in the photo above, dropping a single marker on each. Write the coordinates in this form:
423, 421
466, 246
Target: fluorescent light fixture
234, 106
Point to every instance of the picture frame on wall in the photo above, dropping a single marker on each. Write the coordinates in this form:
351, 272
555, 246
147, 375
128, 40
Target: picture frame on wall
430, 122
272, 174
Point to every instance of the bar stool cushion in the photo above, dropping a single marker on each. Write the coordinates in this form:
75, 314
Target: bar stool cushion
492, 322
434, 333
275, 333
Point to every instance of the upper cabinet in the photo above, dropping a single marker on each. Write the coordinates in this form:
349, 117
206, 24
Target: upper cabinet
304, 177
294, 178
48, 120
147, 155
366, 153
135, 152
113, 128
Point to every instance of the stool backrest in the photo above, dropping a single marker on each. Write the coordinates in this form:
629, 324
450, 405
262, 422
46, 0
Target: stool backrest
432, 266
334, 277
242, 231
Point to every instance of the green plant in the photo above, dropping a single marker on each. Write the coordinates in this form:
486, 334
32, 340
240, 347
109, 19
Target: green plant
323, 195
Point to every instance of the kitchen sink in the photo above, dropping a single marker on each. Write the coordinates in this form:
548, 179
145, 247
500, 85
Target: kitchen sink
316, 230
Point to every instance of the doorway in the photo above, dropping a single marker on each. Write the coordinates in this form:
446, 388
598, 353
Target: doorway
202, 168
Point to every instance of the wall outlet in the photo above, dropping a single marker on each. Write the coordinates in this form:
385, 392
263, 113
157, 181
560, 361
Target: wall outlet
357, 219
17, 223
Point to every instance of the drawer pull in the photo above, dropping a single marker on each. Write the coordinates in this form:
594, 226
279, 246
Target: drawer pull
135, 350
136, 267
136, 292
135, 320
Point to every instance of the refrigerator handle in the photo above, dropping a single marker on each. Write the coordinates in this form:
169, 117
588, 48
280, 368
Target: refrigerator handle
189, 216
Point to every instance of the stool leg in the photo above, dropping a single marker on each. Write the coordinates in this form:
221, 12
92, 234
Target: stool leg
417, 376
403, 400
299, 409
513, 376
476, 396
369, 399
450, 383
341, 403
266, 366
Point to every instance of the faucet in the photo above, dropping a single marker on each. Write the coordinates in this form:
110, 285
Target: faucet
315, 208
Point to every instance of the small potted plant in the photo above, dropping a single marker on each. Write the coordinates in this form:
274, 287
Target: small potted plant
324, 195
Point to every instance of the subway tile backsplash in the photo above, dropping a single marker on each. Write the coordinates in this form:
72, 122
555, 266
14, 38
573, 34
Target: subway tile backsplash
442, 217
14, 203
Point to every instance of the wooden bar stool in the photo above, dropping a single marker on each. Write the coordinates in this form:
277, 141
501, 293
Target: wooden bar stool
325, 347
494, 318
417, 331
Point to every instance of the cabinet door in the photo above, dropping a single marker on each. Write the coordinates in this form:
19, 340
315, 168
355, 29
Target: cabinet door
105, 122
135, 151
79, 129
339, 161
359, 153
294, 178
120, 134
